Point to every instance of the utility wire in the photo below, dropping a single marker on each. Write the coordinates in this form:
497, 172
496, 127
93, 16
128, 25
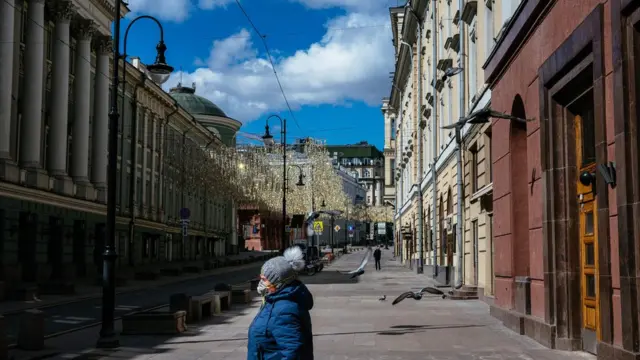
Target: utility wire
273, 67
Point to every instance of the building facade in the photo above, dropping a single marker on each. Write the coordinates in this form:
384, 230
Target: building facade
389, 151
366, 164
54, 104
423, 100
566, 229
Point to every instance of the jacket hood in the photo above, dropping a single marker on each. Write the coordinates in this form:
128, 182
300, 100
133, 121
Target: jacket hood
296, 291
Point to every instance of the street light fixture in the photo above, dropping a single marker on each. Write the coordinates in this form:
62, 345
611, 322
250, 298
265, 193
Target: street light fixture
268, 141
108, 338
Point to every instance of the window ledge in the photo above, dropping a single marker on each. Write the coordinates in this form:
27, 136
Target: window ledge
487, 189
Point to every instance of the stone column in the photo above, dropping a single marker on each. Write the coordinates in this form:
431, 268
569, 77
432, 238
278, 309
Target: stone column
379, 192
82, 86
57, 149
100, 131
7, 39
31, 126
8, 169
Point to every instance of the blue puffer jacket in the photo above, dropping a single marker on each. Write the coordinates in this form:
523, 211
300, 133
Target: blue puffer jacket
282, 328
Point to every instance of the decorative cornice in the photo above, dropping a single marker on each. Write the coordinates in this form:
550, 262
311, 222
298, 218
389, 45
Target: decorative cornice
63, 11
103, 45
84, 28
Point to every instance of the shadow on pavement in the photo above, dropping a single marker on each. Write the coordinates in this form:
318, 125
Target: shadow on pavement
328, 277
421, 328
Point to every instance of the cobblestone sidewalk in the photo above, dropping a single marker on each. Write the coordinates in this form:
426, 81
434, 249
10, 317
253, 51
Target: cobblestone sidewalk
349, 323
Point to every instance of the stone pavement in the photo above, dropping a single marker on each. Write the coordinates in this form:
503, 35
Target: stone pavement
84, 291
349, 323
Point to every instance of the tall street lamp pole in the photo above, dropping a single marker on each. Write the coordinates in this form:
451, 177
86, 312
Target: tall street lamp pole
268, 140
108, 338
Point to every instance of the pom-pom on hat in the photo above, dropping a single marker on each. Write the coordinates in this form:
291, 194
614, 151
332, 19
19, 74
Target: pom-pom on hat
282, 270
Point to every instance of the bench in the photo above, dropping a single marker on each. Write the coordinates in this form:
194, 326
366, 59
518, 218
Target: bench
254, 283
24, 293
201, 307
222, 301
155, 323
241, 296
171, 271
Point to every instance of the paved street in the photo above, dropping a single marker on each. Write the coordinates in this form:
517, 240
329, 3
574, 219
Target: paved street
349, 323
82, 313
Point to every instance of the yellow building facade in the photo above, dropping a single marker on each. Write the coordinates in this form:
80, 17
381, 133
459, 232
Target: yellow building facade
451, 35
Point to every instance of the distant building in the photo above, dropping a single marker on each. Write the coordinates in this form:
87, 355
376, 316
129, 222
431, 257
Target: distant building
366, 164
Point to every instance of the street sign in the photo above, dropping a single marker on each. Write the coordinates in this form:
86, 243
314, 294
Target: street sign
350, 234
185, 227
185, 213
318, 227
337, 228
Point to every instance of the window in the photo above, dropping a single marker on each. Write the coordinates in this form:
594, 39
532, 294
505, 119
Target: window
366, 173
488, 31
138, 190
392, 165
393, 129
473, 170
473, 82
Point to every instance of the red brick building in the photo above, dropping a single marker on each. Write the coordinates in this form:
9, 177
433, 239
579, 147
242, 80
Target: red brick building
571, 65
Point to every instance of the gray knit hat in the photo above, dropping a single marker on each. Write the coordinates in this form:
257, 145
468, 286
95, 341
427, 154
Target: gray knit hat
282, 270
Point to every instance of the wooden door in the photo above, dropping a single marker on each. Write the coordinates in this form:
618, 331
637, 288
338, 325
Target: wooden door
586, 194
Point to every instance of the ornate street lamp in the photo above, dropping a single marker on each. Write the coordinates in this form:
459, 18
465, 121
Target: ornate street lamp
159, 71
268, 141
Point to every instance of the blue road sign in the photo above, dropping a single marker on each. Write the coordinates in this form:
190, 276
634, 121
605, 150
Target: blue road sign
185, 213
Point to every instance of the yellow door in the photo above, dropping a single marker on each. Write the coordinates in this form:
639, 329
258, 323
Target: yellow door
588, 227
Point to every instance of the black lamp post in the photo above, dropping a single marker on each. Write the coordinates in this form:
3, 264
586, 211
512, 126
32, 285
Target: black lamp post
268, 141
160, 70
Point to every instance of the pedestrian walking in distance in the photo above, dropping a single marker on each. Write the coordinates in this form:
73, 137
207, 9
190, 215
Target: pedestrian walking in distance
376, 256
282, 328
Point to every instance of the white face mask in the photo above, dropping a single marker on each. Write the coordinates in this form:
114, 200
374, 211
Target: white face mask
262, 288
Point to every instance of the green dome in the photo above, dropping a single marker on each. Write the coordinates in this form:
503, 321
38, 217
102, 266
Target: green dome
194, 104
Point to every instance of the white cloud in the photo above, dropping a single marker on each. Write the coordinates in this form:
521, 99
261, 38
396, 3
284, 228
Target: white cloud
344, 66
173, 10
355, 5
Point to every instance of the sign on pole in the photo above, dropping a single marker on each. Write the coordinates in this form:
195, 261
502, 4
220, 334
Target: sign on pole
318, 227
337, 228
185, 213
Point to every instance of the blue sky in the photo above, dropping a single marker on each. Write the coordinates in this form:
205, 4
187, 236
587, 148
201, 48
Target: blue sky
333, 58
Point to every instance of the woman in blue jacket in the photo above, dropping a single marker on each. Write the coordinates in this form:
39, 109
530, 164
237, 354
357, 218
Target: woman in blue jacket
282, 328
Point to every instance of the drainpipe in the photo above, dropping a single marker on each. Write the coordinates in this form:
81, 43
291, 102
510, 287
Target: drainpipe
133, 166
434, 141
459, 157
421, 126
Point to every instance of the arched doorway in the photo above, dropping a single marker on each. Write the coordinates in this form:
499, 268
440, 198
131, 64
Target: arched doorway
450, 235
519, 190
